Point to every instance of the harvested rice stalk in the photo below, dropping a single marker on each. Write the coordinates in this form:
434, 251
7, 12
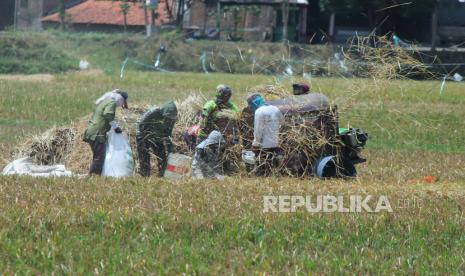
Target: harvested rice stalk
51, 147
189, 111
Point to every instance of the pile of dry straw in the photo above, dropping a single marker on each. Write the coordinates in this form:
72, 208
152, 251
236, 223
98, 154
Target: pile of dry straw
64, 145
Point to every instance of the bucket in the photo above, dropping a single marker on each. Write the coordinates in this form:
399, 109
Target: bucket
179, 166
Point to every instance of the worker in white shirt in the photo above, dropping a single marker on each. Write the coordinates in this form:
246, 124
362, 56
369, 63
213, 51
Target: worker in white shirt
267, 122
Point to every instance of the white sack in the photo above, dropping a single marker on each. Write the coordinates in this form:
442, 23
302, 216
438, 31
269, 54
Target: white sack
25, 166
118, 156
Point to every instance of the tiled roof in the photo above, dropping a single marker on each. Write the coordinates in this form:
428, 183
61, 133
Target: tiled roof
107, 12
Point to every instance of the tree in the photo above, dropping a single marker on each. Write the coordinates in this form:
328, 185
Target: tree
180, 12
334, 7
235, 11
152, 7
62, 14
124, 7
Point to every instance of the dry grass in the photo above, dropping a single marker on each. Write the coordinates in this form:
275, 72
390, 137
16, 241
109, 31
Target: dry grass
52, 147
28, 78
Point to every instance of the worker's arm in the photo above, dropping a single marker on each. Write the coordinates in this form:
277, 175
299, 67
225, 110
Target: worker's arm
147, 118
233, 107
168, 142
109, 113
207, 111
281, 118
258, 129
171, 127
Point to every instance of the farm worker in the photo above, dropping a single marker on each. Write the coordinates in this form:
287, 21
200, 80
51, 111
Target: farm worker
398, 42
300, 89
267, 122
211, 109
102, 121
207, 158
154, 129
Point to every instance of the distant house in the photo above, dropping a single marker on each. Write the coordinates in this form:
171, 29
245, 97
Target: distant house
27, 14
253, 20
106, 16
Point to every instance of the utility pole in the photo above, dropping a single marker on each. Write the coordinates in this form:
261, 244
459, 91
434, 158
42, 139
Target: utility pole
332, 23
285, 17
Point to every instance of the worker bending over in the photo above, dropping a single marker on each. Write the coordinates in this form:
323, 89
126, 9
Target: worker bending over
207, 157
102, 121
154, 129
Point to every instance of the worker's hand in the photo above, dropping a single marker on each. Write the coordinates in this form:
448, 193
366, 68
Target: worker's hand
118, 130
201, 134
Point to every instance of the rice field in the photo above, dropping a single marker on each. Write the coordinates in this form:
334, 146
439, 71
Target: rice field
94, 225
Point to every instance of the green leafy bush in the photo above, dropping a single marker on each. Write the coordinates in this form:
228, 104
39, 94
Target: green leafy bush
23, 55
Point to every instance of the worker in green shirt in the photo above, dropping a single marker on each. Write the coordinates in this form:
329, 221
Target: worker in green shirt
212, 108
102, 121
154, 130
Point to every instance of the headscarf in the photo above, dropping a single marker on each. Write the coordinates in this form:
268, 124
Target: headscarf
223, 94
214, 137
118, 96
255, 101
169, 110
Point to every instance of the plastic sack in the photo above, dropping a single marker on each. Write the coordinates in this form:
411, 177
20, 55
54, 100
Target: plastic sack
248, 157
25, 166
83, 64
118, 156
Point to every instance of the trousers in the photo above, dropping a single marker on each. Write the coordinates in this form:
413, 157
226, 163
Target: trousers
98, 157
159, 149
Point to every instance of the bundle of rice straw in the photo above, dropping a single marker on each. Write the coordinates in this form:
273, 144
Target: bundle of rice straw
51, 147
189, 111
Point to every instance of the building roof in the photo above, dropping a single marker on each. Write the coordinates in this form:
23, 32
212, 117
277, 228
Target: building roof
108, 12
261, 2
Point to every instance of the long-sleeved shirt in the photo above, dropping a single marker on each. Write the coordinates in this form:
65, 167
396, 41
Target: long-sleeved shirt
101, 121
268, 120
210, 111
155, 124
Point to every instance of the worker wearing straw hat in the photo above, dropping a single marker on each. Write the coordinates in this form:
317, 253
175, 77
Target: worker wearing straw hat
154, 129
267, 123
102, 121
